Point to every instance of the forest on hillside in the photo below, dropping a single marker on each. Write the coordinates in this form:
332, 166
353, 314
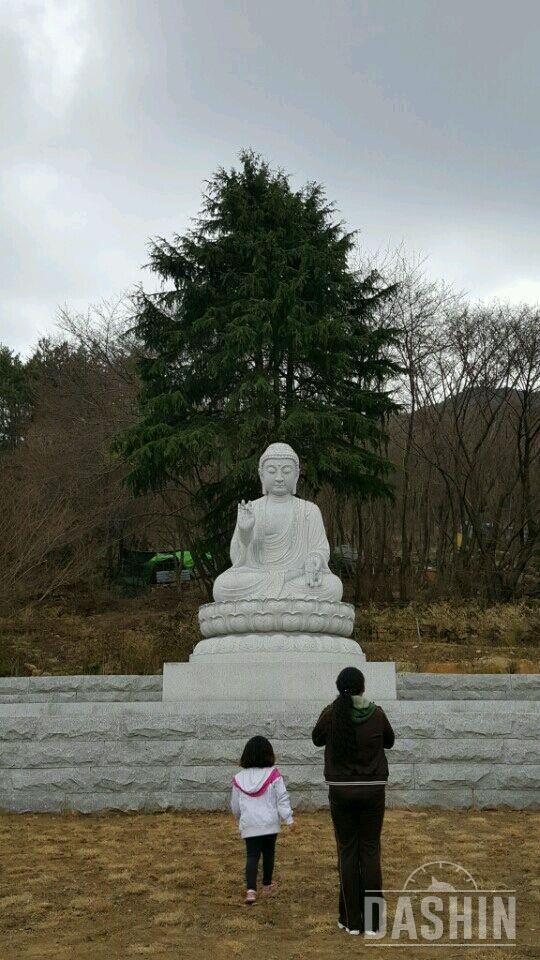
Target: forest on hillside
464, 520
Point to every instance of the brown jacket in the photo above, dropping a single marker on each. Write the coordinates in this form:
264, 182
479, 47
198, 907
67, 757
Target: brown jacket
368, 761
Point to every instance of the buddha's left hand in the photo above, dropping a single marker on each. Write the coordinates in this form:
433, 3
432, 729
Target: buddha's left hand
313, 569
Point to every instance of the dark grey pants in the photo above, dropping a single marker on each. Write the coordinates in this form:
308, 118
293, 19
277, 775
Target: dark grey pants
358, 814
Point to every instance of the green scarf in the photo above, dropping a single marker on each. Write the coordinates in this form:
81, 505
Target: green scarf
362, 709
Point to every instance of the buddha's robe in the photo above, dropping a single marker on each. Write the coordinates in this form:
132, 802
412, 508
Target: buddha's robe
258, 570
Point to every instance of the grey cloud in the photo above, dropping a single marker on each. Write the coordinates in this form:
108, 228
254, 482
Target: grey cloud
420, 118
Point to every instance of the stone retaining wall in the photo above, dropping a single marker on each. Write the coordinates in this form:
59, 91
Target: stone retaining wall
410, 686
79, 688
88, 757
468, 686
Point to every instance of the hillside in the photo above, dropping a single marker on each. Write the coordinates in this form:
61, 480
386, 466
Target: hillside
106, 634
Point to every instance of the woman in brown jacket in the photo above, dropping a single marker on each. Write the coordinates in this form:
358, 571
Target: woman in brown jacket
355, 734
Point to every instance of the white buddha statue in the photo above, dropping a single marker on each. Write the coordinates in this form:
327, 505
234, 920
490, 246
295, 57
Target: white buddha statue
279, 546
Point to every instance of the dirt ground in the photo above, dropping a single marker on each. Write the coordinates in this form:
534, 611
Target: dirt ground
122, 886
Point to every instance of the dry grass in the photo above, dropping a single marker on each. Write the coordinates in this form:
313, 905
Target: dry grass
502, 638
117, 886
110, 635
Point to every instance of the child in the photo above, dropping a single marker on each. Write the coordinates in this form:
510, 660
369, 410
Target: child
258, 800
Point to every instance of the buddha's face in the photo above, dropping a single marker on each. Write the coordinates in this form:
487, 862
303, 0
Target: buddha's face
279, 477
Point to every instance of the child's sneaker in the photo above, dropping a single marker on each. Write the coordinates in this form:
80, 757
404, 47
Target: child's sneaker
270, 888
251, 897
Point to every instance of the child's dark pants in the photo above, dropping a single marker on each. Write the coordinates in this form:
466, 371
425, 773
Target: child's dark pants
254, 847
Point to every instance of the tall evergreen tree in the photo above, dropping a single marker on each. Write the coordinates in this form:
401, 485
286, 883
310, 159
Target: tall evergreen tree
15, 399
261, 332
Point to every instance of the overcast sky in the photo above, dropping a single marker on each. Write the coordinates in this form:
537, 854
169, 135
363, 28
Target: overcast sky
421, 118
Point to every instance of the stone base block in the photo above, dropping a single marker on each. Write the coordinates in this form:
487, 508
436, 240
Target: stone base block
236, 681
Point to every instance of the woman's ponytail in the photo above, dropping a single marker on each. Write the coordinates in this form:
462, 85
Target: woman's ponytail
350, 682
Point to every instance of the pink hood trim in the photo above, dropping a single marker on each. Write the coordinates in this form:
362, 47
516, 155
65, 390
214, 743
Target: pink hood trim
271, 778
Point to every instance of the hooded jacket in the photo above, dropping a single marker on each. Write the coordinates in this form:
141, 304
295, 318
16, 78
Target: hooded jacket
258, 800
367, 762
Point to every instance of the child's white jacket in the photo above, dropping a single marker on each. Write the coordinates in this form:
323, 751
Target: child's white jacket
259, 800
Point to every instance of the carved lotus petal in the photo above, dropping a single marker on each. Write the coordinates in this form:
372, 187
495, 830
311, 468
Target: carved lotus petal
276, 616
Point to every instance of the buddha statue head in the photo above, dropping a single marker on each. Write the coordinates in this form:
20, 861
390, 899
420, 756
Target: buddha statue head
279, 469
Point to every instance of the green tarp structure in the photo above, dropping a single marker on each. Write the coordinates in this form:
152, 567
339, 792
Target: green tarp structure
167, 561
140, 566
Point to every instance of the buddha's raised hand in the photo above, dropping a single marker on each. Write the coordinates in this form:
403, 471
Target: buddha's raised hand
246, 518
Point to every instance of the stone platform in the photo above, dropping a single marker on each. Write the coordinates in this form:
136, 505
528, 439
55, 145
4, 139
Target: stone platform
237, 681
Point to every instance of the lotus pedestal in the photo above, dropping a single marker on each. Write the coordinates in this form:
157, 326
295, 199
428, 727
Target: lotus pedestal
263, 653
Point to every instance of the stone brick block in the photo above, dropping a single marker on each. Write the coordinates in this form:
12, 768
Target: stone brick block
219, 778
120, 683
53, 685
17, 686
449, 799
447, 686
314, 799
401, 775
118, 696
53, 753
213, 751
519, 751
407, 750
440, 776
237, 726
517, 799
63, 696
297, 751
127, 778
17, 728
525, 686
143, 753
126, 801
63, 780
527, 724
470, 723
411, 721
480, 749
38, 801
188, 778
506, 776
296, 726
302, 776
194, 800
87, 726
16, 698
159, 726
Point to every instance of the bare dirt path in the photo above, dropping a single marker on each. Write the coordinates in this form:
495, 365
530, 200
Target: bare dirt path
119, 886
